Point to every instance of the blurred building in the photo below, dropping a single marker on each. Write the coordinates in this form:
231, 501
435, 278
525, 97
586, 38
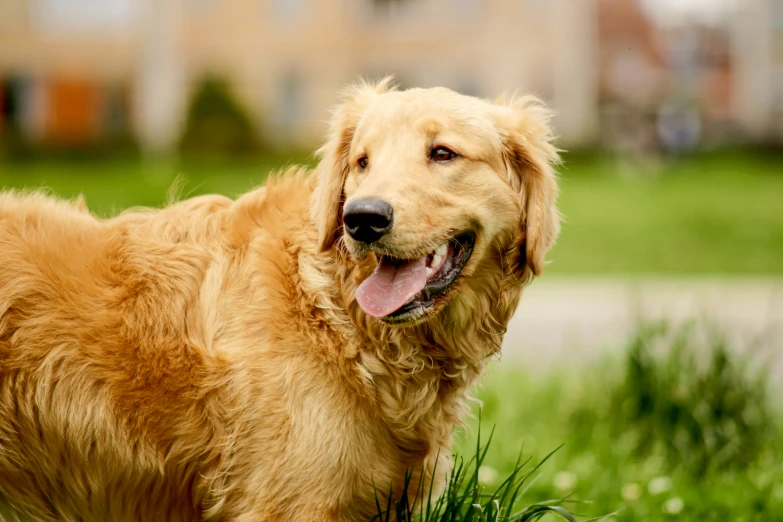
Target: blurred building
65, 68
667, 84
758, 47
631, 76
72, 67
72, 71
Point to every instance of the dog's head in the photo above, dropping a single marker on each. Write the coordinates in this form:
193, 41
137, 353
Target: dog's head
439, 188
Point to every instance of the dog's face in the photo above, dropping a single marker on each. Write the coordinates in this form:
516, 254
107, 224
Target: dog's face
436, 186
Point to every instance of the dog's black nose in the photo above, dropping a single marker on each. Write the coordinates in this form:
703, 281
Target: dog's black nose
367, 220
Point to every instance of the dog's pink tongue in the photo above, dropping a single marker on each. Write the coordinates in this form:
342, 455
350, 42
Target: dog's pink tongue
390, 286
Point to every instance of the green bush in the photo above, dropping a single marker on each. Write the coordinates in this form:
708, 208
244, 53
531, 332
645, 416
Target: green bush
217, 124
704, 409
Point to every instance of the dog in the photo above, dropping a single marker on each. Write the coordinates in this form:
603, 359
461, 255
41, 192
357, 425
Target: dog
290, 355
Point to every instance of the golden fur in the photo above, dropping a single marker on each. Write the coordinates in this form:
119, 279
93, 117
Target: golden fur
208, 361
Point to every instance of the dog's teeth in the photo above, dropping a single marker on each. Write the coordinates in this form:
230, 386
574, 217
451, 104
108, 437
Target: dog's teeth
442, 250
429, 271
437, 259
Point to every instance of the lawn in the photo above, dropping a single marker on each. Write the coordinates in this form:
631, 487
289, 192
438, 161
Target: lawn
719, 213
653, 437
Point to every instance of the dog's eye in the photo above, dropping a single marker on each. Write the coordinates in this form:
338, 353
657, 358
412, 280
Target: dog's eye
442, 154
363, 162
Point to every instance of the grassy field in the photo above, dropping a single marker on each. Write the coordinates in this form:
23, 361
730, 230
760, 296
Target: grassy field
720, 213
654, 437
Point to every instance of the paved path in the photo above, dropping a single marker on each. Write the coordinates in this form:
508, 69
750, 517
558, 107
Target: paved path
573, 320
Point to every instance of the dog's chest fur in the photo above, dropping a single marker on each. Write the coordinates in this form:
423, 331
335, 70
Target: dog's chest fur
354, 404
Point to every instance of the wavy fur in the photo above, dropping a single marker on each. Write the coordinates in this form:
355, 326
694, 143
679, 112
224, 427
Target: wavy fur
208, 361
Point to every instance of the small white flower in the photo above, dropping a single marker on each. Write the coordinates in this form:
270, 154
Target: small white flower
659, 485
631, 492
565, 481
487, 475
674, 505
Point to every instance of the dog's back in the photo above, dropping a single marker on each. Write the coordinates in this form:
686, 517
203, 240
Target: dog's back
92, 330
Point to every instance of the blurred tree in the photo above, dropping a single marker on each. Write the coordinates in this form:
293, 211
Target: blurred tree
217, 124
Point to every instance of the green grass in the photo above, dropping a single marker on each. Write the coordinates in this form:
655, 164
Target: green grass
674, 434
466, 499
114, 185
718, 213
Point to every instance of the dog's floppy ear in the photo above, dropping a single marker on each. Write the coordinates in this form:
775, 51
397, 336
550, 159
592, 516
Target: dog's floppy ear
530, 157
328, 196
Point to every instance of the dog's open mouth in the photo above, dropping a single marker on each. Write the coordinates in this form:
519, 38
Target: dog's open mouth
403, 289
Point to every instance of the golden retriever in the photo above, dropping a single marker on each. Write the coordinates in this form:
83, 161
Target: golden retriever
281, 356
